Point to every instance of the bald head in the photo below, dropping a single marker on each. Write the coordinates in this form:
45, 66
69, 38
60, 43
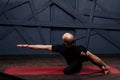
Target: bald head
68, 39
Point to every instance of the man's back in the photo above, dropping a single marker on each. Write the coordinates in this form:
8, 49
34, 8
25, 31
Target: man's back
70, 53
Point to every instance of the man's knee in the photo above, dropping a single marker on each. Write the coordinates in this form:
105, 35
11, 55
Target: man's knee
68, 71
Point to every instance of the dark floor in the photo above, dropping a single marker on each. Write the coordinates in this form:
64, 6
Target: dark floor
44, 60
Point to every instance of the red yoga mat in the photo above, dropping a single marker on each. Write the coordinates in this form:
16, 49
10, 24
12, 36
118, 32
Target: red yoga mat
50, 70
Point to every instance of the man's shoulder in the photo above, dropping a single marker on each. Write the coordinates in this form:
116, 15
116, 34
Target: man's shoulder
58, 45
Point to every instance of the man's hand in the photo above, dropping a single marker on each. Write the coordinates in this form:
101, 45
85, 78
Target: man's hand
106, 69
23, 45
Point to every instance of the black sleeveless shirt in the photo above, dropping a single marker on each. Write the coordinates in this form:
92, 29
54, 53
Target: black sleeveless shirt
70, 53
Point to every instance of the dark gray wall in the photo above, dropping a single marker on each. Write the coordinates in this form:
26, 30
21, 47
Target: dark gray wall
95, 24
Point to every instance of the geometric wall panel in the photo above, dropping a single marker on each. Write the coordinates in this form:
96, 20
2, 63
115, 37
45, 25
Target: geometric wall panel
95, 24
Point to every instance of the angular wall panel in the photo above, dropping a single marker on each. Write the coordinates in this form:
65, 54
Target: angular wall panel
95, 24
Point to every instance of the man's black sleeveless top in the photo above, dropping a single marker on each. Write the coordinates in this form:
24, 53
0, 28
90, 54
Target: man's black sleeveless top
70, 53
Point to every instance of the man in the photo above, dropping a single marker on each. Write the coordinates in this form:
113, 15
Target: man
73, 54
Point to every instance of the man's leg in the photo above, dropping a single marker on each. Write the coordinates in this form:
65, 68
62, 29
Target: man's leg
74, 67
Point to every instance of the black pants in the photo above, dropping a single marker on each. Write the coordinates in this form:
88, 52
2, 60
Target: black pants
74, 67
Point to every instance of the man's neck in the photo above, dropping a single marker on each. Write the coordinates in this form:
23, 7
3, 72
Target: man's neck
68, 45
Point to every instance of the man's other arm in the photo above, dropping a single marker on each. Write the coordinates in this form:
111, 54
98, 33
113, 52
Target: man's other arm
97, 61
39, 47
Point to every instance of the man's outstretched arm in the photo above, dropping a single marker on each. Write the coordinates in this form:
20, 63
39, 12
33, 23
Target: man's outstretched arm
39, 47
97, 61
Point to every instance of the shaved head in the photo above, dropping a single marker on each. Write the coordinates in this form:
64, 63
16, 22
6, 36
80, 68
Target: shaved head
68, 39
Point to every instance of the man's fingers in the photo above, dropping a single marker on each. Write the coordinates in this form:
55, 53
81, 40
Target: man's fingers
106, 69
22, 45
19, 45
107, 72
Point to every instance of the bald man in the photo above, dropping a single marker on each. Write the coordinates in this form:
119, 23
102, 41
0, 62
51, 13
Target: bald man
74, 55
